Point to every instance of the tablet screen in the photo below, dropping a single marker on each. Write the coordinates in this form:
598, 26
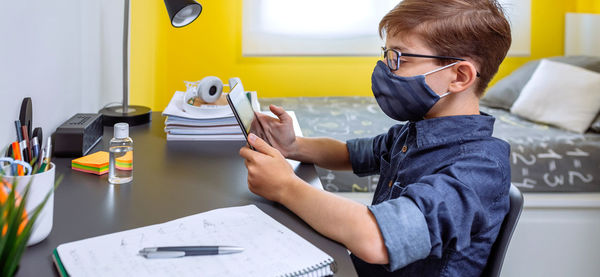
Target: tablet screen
242, 108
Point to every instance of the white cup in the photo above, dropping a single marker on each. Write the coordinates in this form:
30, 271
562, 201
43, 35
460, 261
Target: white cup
41, 184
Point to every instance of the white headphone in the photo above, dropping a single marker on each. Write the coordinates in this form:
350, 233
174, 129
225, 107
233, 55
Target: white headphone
209, 89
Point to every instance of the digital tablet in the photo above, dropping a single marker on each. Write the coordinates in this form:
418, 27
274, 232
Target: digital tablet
242, 109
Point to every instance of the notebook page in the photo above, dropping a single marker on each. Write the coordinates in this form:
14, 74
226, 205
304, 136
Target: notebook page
270, 249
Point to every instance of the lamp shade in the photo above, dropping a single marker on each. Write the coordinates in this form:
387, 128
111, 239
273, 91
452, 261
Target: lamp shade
182, 12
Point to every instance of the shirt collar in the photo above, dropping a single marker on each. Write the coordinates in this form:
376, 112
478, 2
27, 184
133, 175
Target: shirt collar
453, 128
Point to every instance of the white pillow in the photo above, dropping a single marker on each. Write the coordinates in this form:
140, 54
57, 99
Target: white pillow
560, 94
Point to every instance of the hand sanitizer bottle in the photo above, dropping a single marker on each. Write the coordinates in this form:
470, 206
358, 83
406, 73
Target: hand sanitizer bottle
120, 163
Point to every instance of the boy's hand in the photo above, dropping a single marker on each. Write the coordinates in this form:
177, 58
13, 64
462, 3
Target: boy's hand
278, 132
269, 174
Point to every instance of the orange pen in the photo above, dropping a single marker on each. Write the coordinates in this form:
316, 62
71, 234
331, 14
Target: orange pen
17, 156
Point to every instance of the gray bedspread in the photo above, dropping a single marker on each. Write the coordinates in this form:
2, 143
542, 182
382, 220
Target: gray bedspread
543, 158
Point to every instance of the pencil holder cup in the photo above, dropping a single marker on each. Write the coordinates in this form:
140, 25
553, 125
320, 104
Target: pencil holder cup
41, 184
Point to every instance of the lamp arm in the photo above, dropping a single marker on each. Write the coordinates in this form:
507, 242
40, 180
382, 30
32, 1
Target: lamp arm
133, 115
126, 57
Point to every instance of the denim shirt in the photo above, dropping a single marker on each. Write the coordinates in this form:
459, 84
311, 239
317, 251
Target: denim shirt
441, 197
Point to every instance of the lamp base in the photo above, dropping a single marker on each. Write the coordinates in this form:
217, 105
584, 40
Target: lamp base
134, 115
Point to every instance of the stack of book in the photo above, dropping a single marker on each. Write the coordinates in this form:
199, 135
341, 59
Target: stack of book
209, 122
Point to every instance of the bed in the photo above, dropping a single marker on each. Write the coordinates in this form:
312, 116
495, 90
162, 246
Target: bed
547, 110
543, 158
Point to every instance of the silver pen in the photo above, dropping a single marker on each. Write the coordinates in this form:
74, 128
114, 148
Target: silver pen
182, 251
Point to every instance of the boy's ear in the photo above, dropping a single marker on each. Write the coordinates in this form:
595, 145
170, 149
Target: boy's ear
466, 75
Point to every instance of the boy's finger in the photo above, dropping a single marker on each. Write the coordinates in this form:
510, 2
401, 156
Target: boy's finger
280, 113
261, 116
248, 153
261, 146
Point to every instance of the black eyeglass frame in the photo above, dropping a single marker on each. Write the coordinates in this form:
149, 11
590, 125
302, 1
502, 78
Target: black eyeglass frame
400, 54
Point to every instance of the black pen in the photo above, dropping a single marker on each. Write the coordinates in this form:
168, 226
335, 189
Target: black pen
182, 251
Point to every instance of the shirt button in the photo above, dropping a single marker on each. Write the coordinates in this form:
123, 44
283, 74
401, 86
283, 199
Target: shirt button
404, 148
390, 184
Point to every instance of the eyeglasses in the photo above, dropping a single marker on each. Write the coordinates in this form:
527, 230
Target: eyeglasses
392, 56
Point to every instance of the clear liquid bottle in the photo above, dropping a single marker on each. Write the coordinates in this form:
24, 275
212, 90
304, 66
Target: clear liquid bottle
120, 163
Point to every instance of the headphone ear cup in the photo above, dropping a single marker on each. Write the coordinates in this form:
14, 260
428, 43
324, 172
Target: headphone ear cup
210, 89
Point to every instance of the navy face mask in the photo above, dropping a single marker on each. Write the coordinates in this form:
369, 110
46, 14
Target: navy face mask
403, 98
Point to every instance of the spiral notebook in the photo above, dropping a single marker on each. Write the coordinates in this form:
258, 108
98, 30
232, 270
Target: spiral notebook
270, 249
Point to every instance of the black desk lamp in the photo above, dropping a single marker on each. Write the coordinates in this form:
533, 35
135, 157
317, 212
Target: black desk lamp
181, 13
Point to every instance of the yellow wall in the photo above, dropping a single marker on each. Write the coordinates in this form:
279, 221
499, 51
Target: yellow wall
162, 57
147, 57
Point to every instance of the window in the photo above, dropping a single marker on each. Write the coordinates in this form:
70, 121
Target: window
519, 16
338, 27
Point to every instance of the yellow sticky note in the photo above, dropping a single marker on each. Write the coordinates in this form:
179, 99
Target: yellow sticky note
97, 163
98, 159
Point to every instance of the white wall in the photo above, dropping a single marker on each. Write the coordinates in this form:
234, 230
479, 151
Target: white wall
64, 54
558, 234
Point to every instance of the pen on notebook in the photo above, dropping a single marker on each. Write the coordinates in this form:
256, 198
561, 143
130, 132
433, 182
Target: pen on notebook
181, 251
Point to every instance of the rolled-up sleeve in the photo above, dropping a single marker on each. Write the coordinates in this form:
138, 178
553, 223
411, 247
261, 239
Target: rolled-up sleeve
363, 159
457, 208
404, 230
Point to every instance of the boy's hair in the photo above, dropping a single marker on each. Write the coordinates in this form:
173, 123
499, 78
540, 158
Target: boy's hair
457, 28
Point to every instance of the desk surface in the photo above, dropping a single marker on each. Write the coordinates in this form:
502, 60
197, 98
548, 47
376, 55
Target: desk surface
170, 180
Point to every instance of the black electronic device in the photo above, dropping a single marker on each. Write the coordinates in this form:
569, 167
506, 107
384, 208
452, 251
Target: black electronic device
242, 110
78, 135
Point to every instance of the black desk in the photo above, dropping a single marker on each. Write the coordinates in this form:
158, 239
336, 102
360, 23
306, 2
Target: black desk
170, 180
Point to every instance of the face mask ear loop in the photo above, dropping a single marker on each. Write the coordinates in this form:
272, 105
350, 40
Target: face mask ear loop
441, 68
445, 94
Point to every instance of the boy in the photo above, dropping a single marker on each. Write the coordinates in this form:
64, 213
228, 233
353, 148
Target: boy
443, 186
